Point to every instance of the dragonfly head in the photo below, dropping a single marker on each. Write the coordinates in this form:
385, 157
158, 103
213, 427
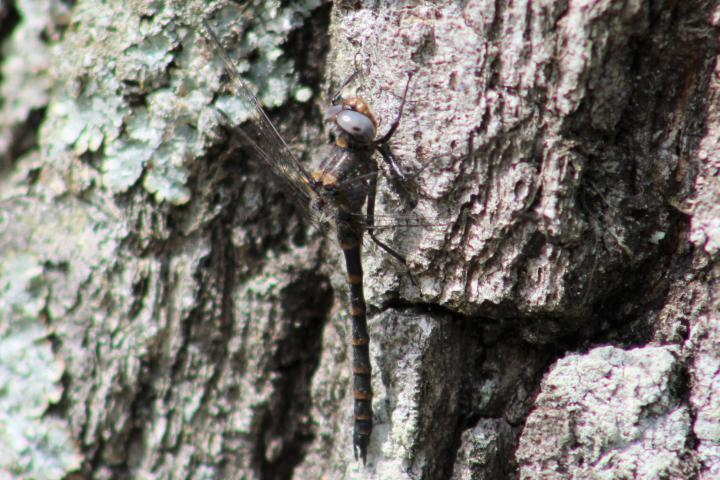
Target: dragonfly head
354, 121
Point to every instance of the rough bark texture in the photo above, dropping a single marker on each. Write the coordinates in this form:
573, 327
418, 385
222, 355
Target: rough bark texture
166, 313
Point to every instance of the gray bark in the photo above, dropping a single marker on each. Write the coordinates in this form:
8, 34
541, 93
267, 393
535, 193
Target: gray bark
166, 312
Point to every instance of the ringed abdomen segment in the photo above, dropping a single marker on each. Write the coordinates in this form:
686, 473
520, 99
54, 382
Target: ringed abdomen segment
362, 371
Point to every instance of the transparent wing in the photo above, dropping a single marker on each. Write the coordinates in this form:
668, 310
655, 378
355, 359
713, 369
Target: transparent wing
266, 141
383, 221
271, 148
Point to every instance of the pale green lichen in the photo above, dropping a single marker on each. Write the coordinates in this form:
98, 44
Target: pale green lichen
32, 445
153, 140
269, 75
23, 68
302, 94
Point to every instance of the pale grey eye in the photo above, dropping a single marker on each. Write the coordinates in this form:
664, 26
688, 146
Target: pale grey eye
356, 124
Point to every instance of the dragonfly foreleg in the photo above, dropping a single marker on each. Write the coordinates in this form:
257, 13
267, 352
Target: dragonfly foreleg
381, 144
336, 98
338, 95
389, 159
396, 123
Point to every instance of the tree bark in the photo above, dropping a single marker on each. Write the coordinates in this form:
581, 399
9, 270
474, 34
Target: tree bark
167, 312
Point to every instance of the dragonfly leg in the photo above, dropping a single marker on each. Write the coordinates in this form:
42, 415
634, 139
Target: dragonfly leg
395, 170
389, 159
396, 123
402, 178
338, 95
370, 221
381, 144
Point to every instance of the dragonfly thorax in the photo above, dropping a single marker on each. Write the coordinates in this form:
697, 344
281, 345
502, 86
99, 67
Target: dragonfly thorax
324, 179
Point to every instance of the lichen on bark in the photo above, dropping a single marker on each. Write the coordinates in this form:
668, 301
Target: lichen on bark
563, 317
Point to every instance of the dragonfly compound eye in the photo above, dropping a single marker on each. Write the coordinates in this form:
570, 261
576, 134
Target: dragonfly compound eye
357, 125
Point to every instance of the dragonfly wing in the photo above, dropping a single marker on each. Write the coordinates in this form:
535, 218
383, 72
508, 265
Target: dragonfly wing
260, 133
294, 183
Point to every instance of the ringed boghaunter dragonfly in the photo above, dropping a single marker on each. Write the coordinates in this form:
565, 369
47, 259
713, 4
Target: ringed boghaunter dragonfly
345, 182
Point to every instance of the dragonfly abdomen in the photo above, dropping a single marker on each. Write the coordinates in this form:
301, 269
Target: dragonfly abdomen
342, 180
349, 237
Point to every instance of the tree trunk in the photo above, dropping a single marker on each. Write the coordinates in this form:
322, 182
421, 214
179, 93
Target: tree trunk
167, 312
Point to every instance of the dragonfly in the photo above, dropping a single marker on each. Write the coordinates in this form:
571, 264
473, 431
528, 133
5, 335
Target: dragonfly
344, 183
